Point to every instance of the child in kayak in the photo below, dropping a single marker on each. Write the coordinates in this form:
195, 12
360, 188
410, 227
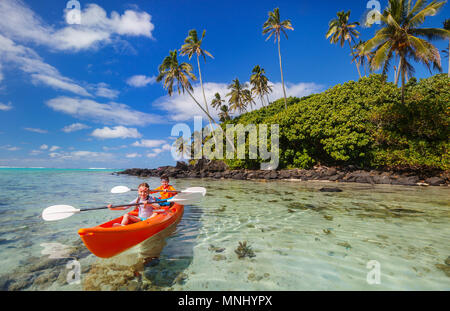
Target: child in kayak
145, 210
164, 191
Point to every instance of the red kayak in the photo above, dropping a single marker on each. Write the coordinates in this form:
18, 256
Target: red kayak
106, 241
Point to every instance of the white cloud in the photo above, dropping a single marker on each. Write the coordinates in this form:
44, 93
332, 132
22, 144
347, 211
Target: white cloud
31, 63
182, 107
132, 155
75, 127
116, 132
140, 81
43, 147
156, 151
7, 107
59, 83
103, 113
35, 130
82, 155
10, 148
54, 148
103, 90
148, 143
96, 28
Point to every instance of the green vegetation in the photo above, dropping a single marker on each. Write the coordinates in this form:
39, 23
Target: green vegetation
361, 123
370, 123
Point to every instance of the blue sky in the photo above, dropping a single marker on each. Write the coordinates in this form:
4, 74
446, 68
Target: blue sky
80, 96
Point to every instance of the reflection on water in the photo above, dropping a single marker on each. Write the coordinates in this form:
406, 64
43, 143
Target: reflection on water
245, 235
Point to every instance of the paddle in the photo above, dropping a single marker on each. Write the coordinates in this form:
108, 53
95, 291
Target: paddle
57, 212
124, 189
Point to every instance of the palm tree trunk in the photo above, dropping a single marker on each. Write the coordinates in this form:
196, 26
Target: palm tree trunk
403, 72
204, 98
357, 65
268, 101
211, 119
262, 102
281, 70
449, 58
398, 71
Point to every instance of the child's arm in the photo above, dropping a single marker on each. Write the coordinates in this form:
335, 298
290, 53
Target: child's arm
120, 208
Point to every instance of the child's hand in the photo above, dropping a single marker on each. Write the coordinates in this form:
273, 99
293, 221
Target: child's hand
109, 206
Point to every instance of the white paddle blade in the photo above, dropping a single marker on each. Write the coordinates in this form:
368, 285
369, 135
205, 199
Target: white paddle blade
187, 198
57, 212
120, 189
200, 190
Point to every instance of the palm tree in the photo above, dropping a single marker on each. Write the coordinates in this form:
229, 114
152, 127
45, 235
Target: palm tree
240, 96
447, 27
224, 113
172, 71
274, 26
217, 101
361, 58
182, 147
260, 83
194, 46
341, 30
399, 36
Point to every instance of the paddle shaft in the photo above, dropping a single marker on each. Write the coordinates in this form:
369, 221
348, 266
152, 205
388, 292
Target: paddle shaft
123, 205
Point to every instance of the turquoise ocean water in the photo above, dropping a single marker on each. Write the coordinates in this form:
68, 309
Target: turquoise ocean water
365, 238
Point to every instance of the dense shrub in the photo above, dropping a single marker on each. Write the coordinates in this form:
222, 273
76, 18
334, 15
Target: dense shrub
362, 123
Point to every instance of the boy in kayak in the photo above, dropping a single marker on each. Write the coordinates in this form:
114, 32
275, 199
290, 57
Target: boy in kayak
145, 210
164, 191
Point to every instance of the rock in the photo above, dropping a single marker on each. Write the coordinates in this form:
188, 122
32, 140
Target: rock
326, 189
435, 181
182, 166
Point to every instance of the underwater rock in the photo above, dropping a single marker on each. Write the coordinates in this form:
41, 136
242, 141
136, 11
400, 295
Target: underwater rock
327, 217
444, 268
447, 261
219, 257
345, 244
215, 249
325, 189
244, 250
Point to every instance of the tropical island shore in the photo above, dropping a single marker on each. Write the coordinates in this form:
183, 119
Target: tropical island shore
219, 170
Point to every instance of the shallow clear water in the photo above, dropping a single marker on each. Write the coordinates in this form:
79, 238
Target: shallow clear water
301, 238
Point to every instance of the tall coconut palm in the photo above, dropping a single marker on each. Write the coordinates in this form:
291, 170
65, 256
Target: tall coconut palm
400, 36
193, 45
240, 96
171, 71
260, 83
274, 26
447, 27
217, 101
340, 30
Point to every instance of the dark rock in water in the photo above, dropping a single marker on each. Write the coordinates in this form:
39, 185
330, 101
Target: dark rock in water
325, 189
435, 181
182, 166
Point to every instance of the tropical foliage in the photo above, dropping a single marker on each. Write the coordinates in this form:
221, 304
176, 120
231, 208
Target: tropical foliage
401, 36
362, 123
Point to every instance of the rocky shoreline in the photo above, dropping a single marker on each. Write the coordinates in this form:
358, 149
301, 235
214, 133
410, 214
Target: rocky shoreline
219, 170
